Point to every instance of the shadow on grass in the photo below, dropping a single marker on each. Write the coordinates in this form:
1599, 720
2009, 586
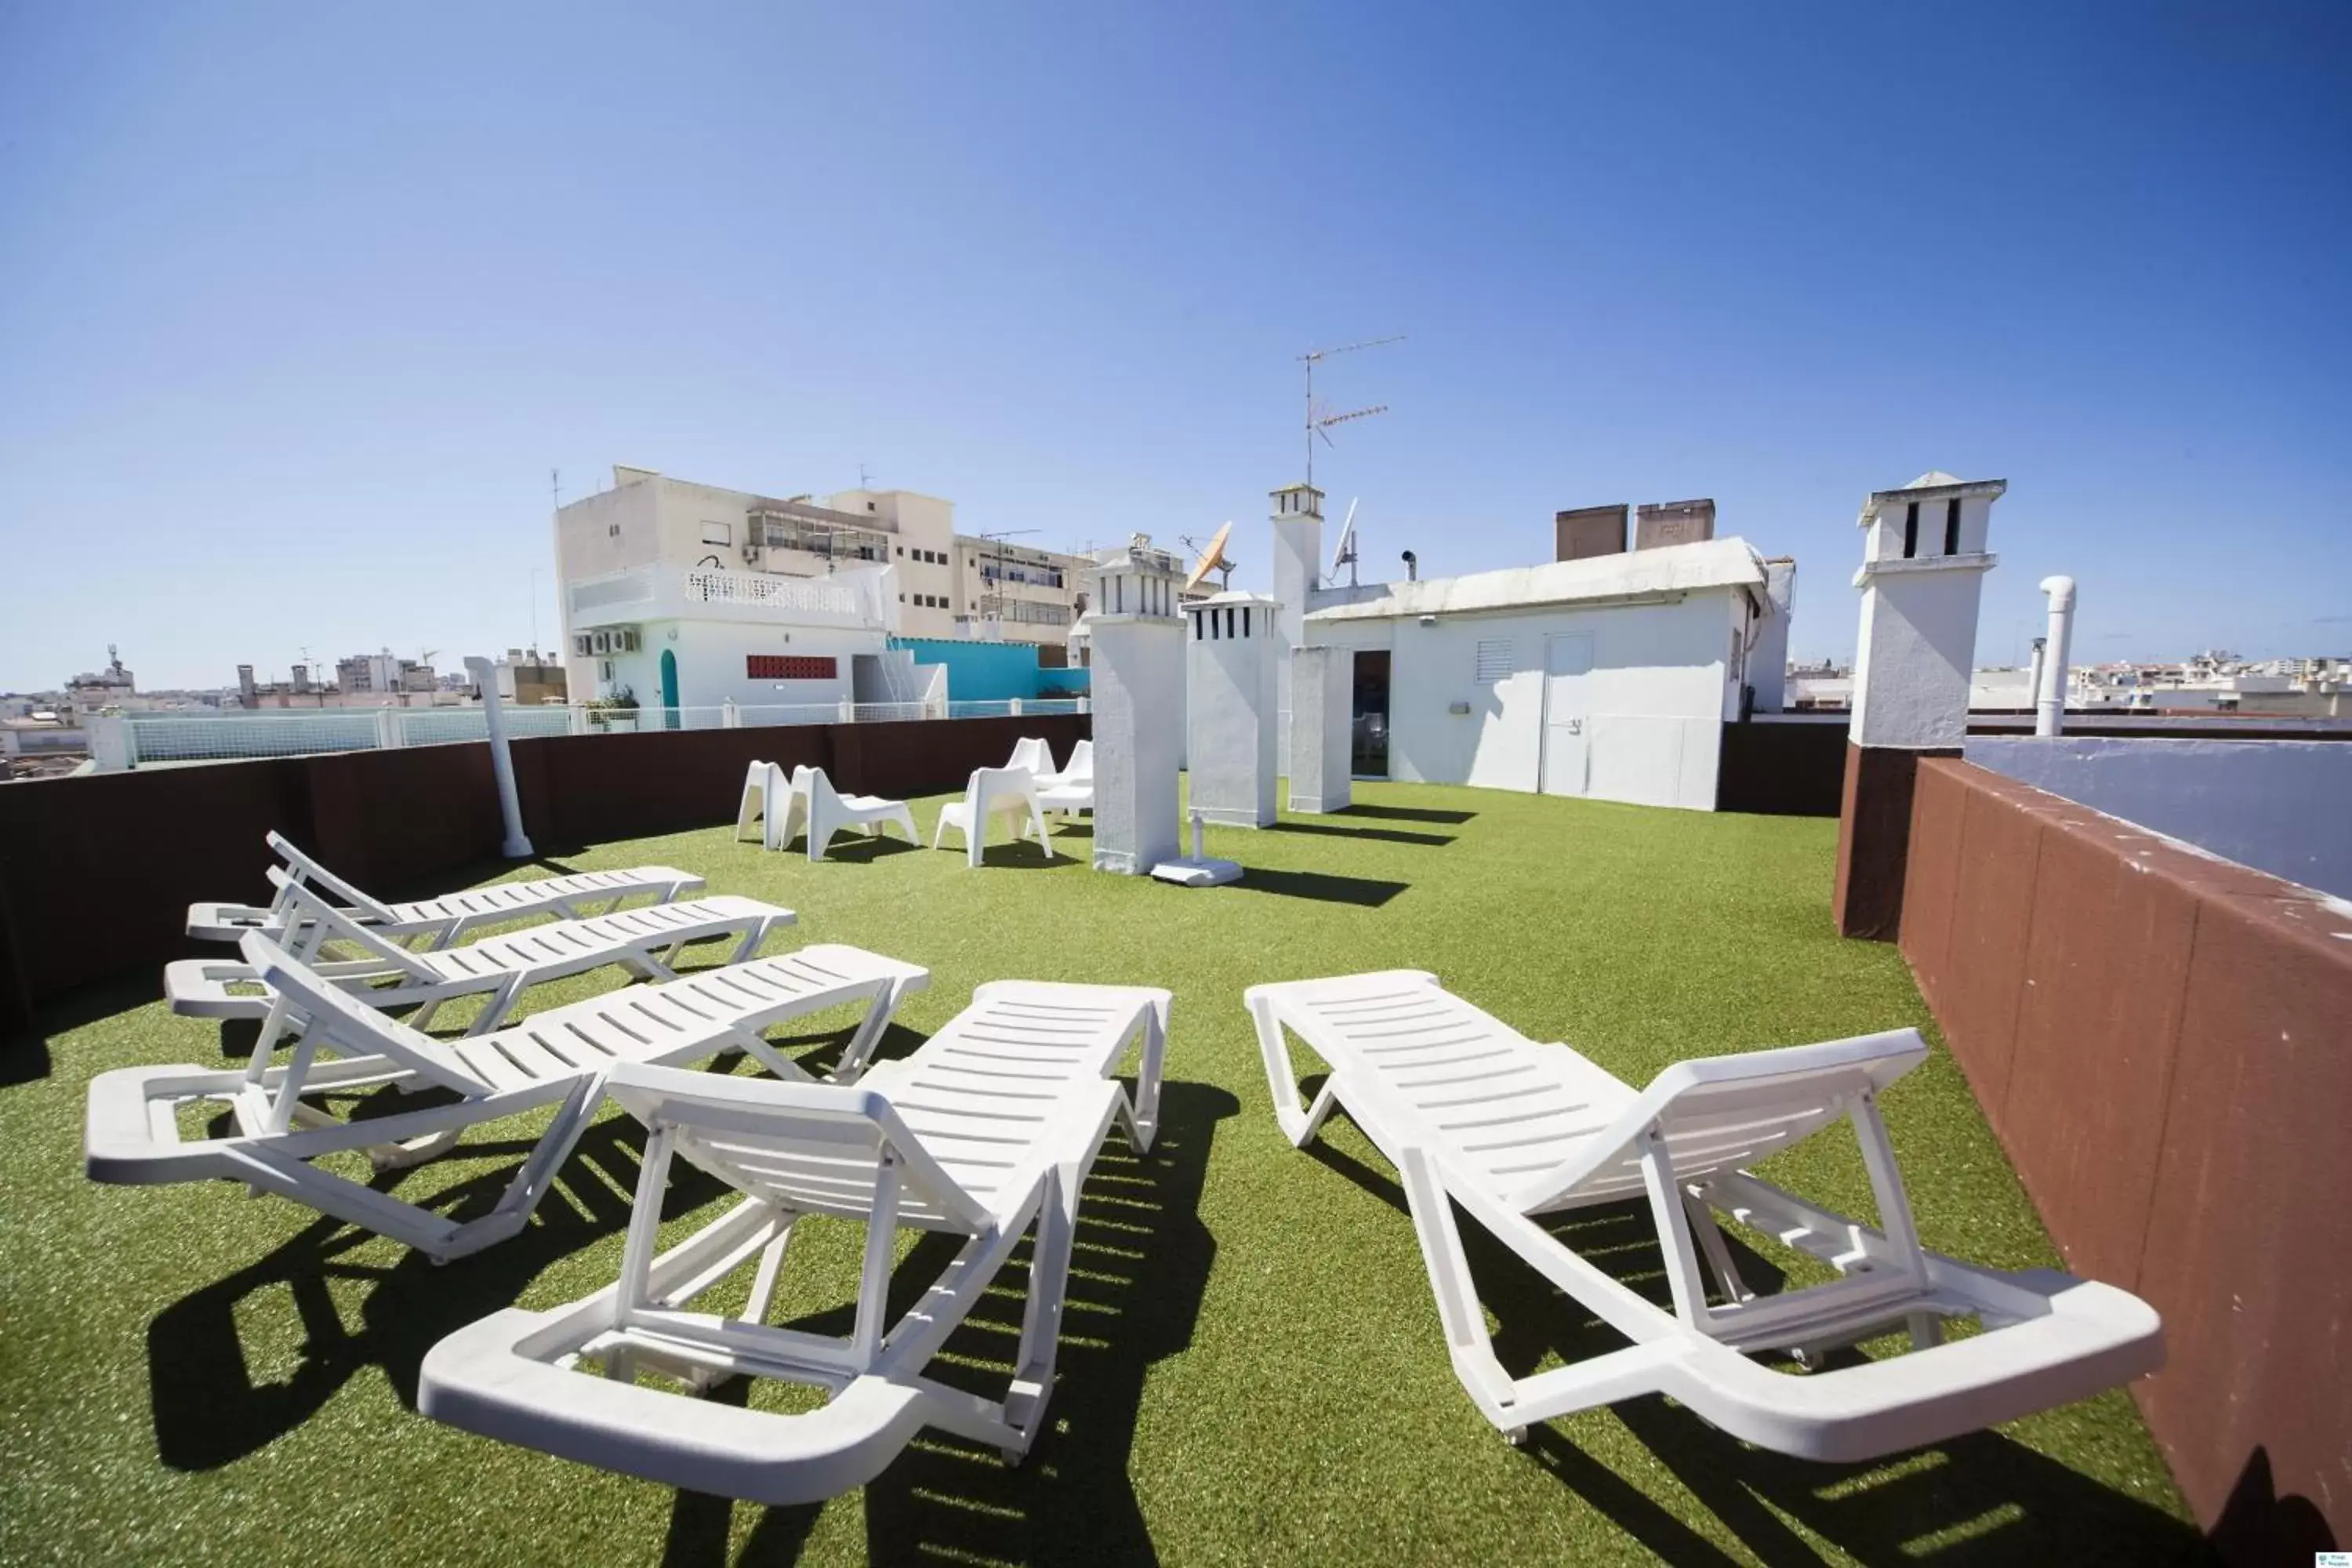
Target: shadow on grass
1385, 835
210, 1411
1142, 1263
844, 847
1407, 813
1362, 891
1978, 1498
25, 1057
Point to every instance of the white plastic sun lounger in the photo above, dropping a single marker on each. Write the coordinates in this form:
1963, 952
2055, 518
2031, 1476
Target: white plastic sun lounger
498, 968
988, 1129
440, 922
556, 1057
1471, 1113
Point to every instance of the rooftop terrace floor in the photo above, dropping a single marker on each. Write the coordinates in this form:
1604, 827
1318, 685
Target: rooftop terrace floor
1252, 1367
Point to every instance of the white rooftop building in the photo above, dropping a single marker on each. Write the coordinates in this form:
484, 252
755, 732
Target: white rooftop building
1609, 677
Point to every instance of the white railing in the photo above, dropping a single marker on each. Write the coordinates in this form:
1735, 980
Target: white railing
709, 586
148, 740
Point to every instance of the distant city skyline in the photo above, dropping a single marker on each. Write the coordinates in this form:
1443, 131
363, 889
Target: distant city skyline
303, 307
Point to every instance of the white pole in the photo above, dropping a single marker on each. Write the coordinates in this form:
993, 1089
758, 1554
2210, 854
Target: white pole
2034, 673
2050, 701
494, 718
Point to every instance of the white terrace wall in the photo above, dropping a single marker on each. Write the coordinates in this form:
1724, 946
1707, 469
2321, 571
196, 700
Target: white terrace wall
2280, 806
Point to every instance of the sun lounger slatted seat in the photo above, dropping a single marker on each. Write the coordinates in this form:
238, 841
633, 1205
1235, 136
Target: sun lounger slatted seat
436, 923
987, 1130
555, 1058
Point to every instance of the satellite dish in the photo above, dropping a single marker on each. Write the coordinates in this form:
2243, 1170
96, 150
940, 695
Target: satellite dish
1212, 558
1344, 552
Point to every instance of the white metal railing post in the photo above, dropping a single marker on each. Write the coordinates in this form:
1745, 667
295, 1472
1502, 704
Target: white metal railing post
579, 718
387, 728
848, 711
493, 719
730, 716
1014, 708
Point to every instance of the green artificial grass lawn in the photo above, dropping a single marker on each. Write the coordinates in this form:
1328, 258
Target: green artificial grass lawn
1252, 1369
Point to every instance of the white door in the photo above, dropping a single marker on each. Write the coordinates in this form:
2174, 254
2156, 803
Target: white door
1568, 684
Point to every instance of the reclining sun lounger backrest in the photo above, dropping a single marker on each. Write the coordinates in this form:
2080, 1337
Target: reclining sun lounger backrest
814, 1148
302, 907
303, 869
334, 1017
1724, 1112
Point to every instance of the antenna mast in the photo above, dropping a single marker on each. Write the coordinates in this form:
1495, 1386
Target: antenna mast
1319, 420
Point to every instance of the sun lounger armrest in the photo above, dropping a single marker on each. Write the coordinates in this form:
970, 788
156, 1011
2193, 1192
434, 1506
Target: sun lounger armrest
487, 1379
2093, 1337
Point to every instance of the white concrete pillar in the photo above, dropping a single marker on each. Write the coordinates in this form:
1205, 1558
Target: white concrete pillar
1924, 562
848, 710
1234, 651
110, 744
1298, 520
1322, 702
1138, 689
494, 718
1013, 706
388, 737
731, 717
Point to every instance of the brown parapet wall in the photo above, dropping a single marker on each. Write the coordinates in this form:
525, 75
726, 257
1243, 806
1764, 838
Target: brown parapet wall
2163, 1043
98, 872
1875, 840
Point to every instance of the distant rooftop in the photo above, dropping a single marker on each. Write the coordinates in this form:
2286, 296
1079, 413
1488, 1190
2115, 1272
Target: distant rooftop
1668, 569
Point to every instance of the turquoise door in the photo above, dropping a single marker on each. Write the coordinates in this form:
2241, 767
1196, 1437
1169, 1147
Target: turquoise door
669, 690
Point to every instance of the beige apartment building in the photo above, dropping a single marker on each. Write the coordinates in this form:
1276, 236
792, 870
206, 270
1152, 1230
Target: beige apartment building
943, 585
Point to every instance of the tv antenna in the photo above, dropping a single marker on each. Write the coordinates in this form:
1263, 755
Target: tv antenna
1212, 558
1344, 552
1319, 417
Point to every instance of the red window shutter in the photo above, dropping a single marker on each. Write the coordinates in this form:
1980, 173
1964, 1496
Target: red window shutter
790, 666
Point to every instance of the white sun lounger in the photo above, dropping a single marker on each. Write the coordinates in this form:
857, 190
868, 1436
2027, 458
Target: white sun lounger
992, 792
990, 1127
498, 968
557, 1058
442, 921
1473, 1114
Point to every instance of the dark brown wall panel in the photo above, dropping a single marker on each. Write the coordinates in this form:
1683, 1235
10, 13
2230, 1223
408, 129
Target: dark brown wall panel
2163, 1042
1781, 770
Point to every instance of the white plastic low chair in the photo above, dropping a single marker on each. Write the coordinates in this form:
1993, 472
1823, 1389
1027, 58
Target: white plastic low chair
498, 968
1032, 753
555, 1058
1081, 770
992, 792
776, 799
1473, 1114
827, 811
1072, 789
428, 924
987, 1130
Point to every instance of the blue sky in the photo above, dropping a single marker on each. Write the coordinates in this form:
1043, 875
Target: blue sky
301, 304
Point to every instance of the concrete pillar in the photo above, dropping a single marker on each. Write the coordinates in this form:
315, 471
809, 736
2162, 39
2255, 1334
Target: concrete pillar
1322, 702
1234, 650
1924, 561
1297, 521
1138, 689
387, 728
109, 742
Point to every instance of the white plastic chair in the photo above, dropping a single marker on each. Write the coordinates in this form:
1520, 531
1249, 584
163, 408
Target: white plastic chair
929, 1142
1476, 1116
828, 811
991, 793
1033, 753
774, 798
1081, 770
134, 1134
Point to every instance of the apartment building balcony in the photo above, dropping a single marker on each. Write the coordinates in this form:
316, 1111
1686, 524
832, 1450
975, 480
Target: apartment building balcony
856, 600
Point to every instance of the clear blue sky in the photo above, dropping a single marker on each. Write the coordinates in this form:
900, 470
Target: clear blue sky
301, 303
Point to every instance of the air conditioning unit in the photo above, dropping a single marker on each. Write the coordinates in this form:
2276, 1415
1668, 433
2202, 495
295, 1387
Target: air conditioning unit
583, 644
600, 643
625, 640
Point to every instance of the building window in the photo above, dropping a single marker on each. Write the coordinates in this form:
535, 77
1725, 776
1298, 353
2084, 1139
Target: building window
790, 666
717, 533
611, 530
1911, 530
902, 551
869, 506
1952, 526
1497, 658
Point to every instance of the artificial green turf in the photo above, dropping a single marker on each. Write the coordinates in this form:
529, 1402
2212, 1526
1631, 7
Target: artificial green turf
1252, 1369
